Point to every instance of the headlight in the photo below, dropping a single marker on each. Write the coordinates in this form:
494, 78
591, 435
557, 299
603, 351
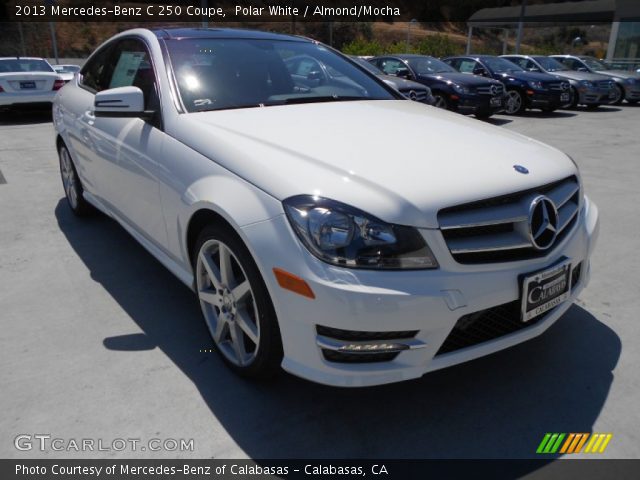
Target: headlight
630, 81
460, 88
586, 83
536, 85
347, 237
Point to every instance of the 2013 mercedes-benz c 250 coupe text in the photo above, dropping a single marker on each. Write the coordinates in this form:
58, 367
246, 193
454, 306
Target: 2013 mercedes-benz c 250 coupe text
328, 226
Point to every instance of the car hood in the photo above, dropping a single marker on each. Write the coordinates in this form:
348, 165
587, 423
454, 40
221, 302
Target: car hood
619, 74
462, 78
527, 76
396, 159
575, 75
402, 83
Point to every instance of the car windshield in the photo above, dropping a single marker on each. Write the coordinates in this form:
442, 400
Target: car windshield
218, 74
594, 64
550, 64
24, 65
500, 65
66, 68
367, 65
429, 66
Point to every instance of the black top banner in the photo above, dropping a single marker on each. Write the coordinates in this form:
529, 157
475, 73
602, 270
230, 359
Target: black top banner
171, 11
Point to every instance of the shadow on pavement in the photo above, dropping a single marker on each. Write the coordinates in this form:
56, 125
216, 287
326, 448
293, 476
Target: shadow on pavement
496, 407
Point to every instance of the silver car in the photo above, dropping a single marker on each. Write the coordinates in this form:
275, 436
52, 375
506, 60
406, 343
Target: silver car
587, 88
627, 83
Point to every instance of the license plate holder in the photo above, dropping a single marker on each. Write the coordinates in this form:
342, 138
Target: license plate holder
27, 85
545, 289
565, 97
495, 102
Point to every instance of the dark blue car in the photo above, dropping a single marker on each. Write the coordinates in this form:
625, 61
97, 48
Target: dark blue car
469, 94
524, 89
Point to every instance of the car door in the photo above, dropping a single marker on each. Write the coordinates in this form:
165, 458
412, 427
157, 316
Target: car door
126, 150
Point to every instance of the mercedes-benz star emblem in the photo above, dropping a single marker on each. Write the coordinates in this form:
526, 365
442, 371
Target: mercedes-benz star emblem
412, 95
494, 89
543, 222
565, 86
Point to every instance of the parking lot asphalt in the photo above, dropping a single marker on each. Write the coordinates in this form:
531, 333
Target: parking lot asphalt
99, 341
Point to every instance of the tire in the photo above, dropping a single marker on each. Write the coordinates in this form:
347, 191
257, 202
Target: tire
515, 104
73, 190
575, 97
441, 101
236, 305
619, 95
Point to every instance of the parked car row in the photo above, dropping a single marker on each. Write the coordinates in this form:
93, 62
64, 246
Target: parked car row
31, 81
513, 83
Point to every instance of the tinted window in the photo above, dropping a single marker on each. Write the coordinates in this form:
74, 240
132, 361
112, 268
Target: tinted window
550, 64
370, 67
521, 62
214, 74
97, 71
24, 65
500, 65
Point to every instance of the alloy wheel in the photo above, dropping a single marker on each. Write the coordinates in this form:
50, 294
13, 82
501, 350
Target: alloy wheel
69, 179
514, 102
440, 102
228, 303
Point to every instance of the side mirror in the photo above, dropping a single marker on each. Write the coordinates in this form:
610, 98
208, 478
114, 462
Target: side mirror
533, 69
403, 73
480, 71
582, 69
121, 102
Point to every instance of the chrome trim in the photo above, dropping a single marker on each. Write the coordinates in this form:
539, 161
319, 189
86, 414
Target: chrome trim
327, 343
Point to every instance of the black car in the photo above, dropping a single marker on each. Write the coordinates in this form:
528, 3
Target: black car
410, 89
524, 89
469, 94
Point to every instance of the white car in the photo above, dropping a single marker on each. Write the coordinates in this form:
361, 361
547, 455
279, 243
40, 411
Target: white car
66, 72
335, 229
27, 82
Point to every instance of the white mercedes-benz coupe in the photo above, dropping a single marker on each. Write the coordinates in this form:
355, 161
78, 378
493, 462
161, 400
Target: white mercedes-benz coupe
327, 225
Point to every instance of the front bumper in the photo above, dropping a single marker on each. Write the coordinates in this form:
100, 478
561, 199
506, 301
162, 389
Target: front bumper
16, 99
429, 302
477, 104
632, 92
595, 96
548, 100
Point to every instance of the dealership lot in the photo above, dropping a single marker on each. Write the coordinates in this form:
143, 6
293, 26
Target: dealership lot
99, 341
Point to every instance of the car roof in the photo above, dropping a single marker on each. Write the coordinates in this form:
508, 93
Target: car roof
182, 33
22, 58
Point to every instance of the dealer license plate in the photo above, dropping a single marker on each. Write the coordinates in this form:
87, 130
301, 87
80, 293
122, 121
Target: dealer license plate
545, 290
495, 102
565, 97
27, 85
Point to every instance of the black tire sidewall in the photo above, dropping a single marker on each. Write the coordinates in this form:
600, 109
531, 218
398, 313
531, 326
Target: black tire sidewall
269, 357
82, 208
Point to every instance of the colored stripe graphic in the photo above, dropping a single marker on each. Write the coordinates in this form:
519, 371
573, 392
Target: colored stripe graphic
555, 443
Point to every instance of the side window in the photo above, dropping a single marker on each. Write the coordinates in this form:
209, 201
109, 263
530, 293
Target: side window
454, 62
529, 65
521, 62
96, 72
390, 66
467, 66
132, 67
305, 67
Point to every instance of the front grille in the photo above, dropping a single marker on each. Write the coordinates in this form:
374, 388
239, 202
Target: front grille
418, 95
605, 84
497, 229
487, 90
559, 86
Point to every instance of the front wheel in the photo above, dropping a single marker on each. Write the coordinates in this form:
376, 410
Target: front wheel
73, 190
441, 101
236, 304
515, 103
617, 100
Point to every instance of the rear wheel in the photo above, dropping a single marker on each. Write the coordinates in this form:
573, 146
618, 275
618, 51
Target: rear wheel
72, 186
236, 304
515, 103
575, 97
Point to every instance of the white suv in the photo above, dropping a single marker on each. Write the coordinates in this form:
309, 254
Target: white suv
327, 225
